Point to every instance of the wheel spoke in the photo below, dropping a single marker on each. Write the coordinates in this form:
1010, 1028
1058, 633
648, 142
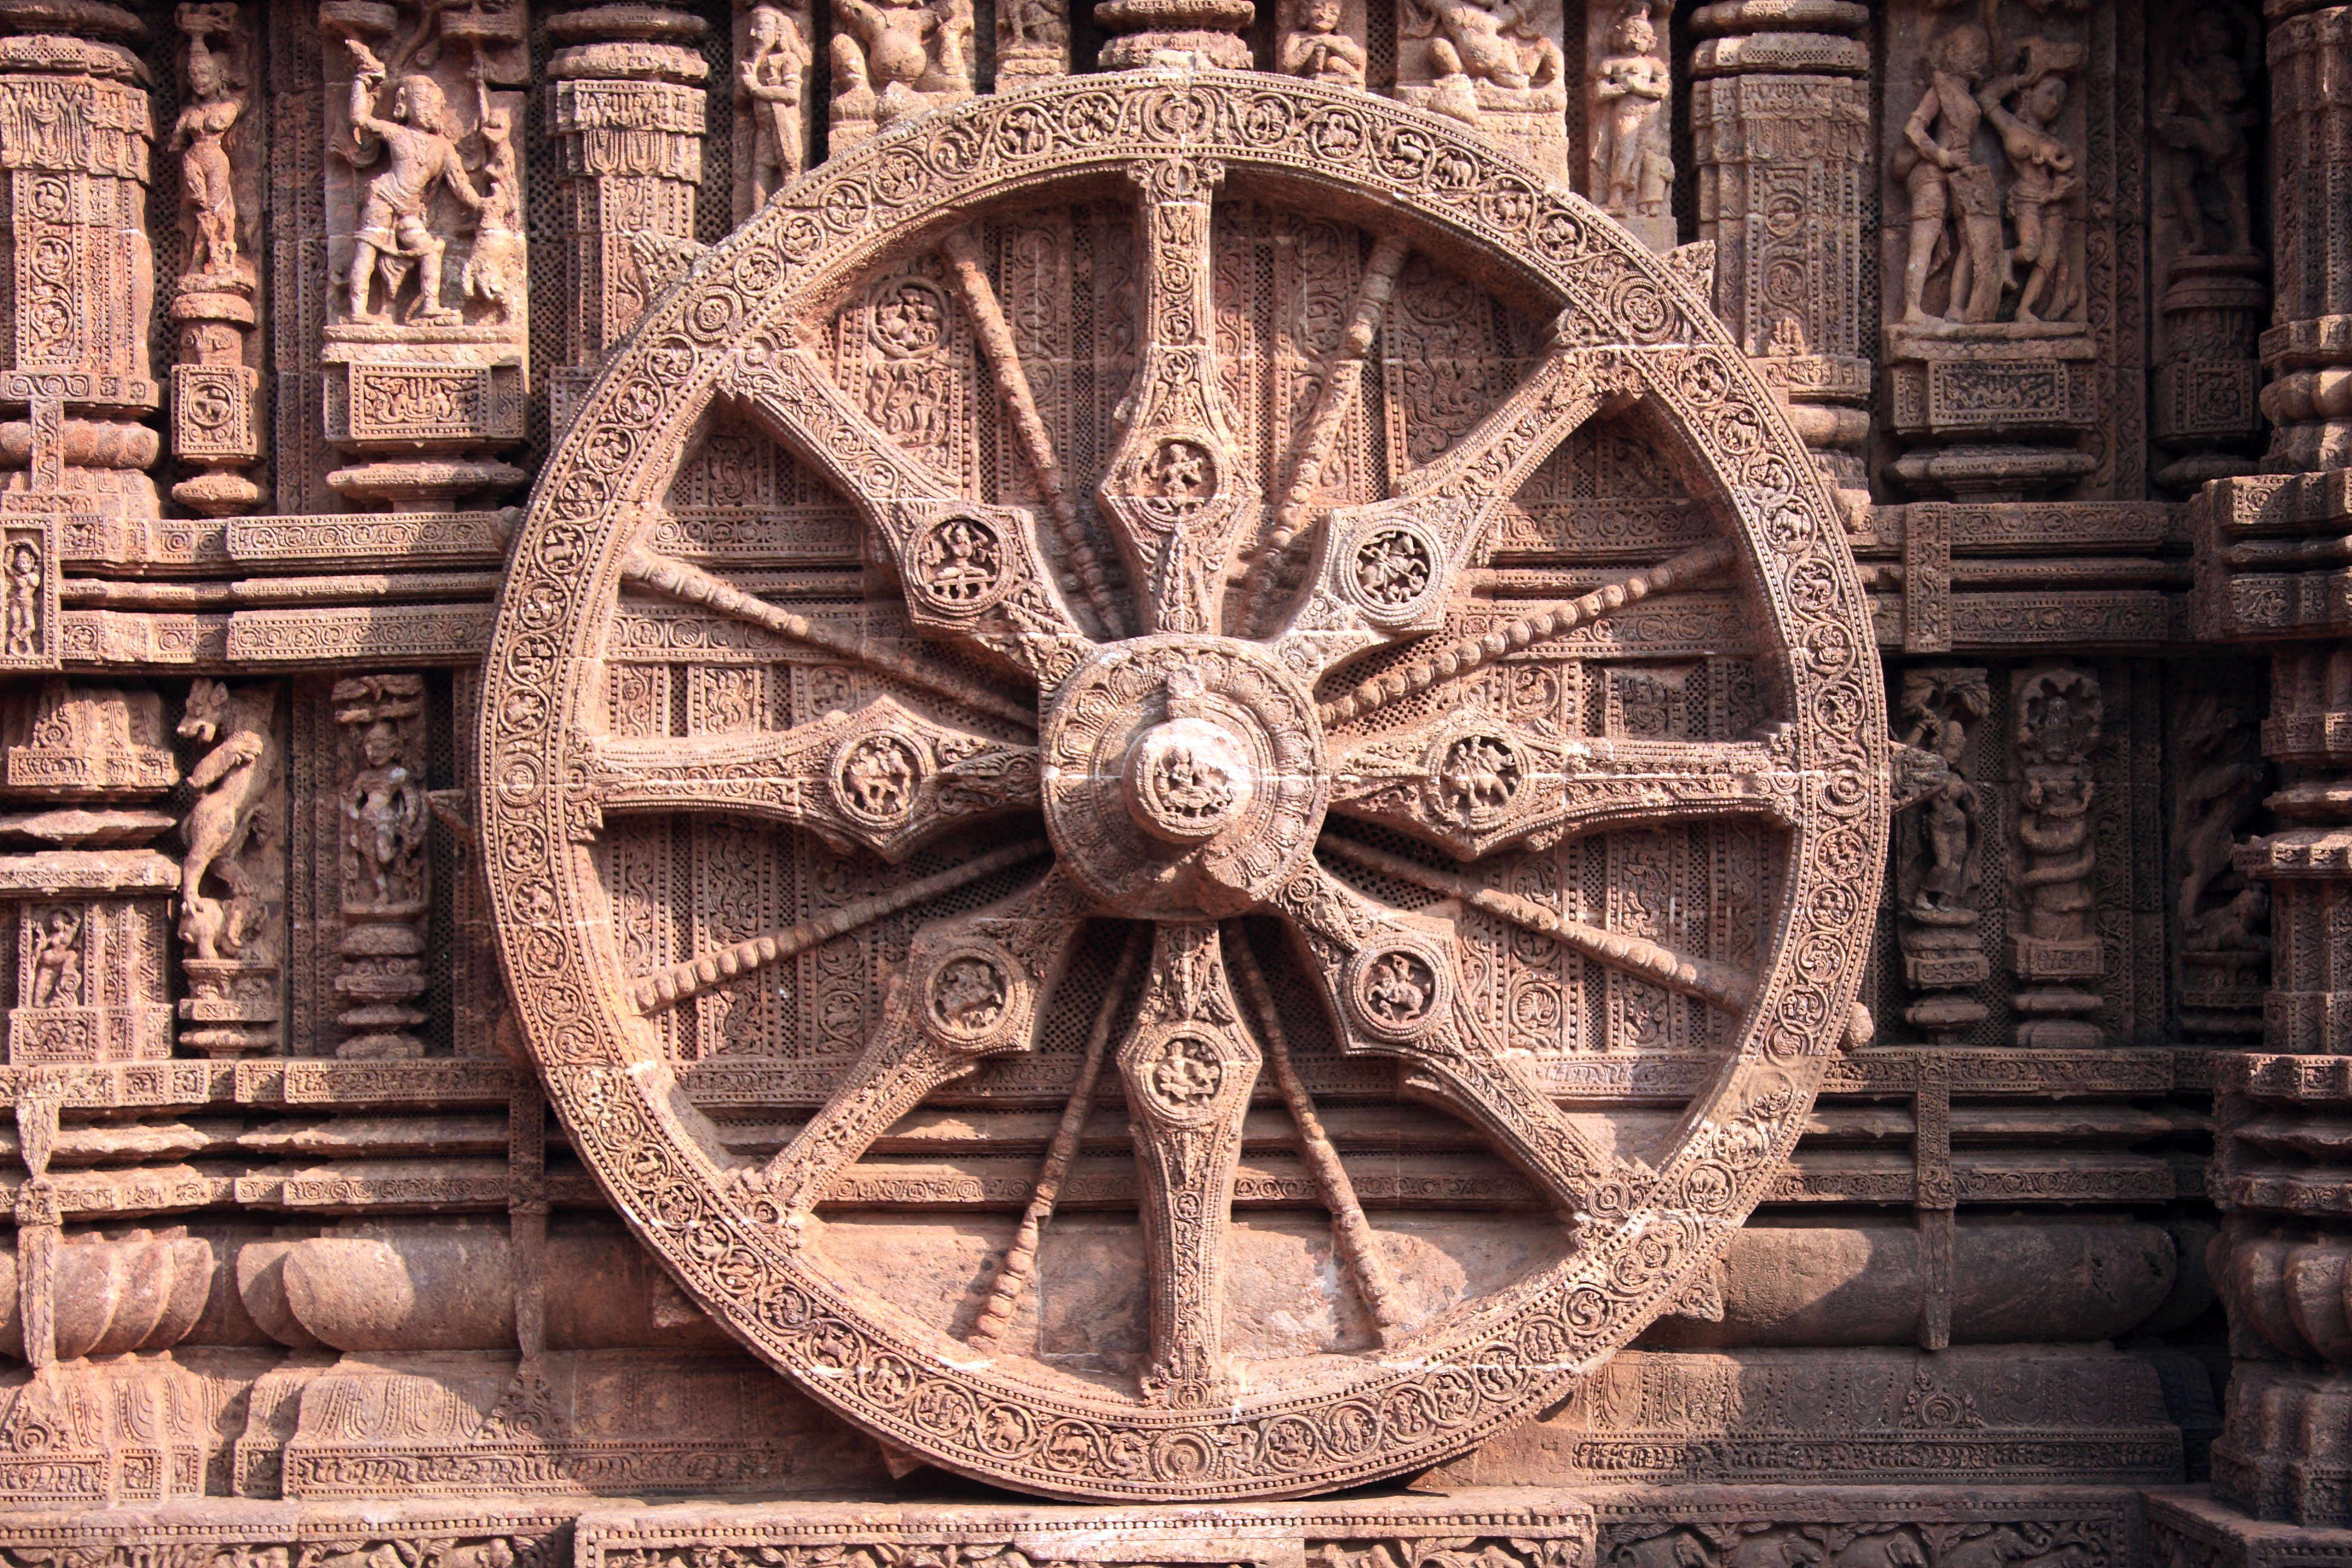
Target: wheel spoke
971, 571
884, 777
688, 584
1392, 983
1335, 394
684, 981
969, 989
1188, 1065
1393, 568
1462, 656
1012, 1275
1474, 785
1361, 1249
1719, 983
1567, 388
1177, 490
969, 271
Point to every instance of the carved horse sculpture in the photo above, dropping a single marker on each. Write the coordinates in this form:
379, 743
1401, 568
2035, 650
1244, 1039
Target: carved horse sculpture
234, 778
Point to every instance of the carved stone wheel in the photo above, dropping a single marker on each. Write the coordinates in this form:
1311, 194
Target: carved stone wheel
1258, 772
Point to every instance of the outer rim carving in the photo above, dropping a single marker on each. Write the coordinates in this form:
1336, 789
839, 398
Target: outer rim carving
616, 1096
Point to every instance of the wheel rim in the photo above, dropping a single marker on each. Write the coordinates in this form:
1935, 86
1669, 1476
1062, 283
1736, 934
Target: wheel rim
1206, 805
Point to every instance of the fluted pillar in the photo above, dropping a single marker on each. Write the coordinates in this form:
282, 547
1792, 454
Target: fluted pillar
626, 103
75, 130
1780, 131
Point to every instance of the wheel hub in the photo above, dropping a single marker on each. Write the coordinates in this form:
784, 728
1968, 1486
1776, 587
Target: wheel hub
1182, 776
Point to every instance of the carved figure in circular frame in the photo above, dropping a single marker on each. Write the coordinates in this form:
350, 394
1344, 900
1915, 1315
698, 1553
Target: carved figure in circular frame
745, 1239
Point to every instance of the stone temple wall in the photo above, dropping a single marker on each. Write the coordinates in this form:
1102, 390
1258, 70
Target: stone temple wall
1407, 783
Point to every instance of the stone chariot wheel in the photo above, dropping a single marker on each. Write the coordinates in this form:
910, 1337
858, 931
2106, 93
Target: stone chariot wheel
1228, 751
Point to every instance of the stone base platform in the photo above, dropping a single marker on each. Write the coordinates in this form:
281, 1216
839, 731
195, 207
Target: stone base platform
1625, 1527
2190, 1530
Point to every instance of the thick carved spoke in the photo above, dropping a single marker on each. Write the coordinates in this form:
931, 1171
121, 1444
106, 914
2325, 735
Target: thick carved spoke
1566, 387
884, 777
688, 584
1188, 1065
972, 987
1393, 568
1719, 983
1461, 658
1178, 489
969, 269
976, 573
684, 981
1475, 785
1392, 983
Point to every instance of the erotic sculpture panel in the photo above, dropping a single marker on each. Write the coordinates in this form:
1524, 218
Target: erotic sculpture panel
1230, 691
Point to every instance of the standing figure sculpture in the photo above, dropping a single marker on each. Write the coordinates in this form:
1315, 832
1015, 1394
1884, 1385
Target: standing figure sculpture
494, 272
1936, 166
20, 628
57, 959
207, 182
2201, 116
769, 78
2023, 107
385, 812
393, 235
1633, 163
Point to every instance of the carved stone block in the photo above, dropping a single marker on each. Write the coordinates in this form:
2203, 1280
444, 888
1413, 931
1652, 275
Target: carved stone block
1498, 1528
212, 411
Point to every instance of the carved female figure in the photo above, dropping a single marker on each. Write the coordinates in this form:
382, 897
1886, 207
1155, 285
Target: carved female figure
768, 78
1940, 173
20, 630
1632, 168
494, 271
207, 187
2024, 108
2201, 116
57, 959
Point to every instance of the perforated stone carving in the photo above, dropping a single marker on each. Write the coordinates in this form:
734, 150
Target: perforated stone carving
1184, 764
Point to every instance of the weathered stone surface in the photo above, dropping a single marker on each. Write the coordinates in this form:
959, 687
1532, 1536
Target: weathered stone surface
1181, 755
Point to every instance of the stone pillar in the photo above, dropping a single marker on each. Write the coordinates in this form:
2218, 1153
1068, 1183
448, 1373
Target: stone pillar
2269, 569
625, 104
74, 379
1780, 131
2308, 350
